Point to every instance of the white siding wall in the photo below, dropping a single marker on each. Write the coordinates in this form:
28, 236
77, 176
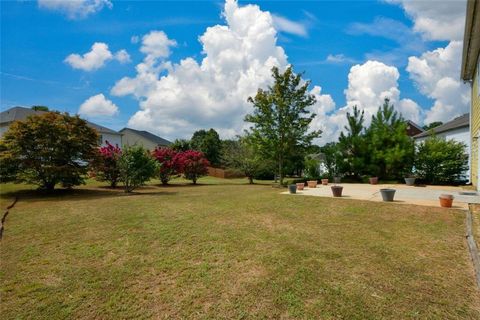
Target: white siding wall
3, 128
460, 135
113, 139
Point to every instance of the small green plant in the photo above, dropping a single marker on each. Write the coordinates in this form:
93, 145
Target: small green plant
136, 166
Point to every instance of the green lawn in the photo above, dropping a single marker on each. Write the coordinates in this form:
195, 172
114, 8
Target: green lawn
227, 250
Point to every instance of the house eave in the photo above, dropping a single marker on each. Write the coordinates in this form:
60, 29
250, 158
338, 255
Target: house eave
471, 40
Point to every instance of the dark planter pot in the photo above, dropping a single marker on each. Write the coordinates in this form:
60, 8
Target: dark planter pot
292, 188
300, 186
337, 179
410, 181
387, 194
337, 191
325, 182
373, 180
446, 200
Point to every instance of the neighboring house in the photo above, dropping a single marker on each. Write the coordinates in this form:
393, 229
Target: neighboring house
458, 129
21, 113
471, 73
145, 139
413, 129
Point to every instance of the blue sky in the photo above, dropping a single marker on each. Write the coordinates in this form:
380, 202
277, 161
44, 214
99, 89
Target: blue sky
36, 39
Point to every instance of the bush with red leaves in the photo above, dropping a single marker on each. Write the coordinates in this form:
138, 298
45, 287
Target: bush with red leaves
168, 164
192, 164
105, 165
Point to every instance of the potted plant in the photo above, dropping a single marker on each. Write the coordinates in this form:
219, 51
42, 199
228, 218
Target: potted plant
373, 180
300, 185
312, 183
325, 182
446, 200
292, 188
387, 194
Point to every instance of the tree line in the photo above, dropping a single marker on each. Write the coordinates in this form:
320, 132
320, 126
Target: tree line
55, 148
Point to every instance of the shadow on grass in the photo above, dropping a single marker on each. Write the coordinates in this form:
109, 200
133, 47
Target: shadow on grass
81, 194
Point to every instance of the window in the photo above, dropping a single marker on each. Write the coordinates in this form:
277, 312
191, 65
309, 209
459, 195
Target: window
100, 140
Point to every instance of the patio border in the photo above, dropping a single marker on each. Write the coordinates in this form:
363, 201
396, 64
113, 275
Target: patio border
472, 245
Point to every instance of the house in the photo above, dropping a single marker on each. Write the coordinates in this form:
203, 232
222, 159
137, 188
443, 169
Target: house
458, 129
413, 129
21, 113
470, 71
145, 139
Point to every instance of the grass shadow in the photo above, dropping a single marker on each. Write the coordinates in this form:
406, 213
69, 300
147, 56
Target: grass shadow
81, 194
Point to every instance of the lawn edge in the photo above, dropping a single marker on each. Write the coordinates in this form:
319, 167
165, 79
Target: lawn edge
472, 245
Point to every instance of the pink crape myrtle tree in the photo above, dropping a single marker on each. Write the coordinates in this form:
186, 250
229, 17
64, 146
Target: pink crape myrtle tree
167, 158
193, 164
105, 166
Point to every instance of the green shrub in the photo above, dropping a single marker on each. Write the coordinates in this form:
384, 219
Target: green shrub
136, 166
439, 161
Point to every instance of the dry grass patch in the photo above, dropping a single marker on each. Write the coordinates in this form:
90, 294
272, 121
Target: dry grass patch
232, 251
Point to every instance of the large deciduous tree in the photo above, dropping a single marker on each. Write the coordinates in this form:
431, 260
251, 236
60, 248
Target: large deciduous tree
241, 155
208, 142
280, 120
48, 149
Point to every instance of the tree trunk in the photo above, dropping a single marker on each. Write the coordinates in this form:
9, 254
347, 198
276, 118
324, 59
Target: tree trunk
48, 186
280, 170
250, 180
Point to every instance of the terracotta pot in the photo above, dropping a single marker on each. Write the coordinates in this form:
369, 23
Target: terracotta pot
300, 186
337, 191
446, 200
373, 180
292, 188
312, 183
325, 182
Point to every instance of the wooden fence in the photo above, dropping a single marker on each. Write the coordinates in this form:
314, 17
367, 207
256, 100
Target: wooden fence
224, 173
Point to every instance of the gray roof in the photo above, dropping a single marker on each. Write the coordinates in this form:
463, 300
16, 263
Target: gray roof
149, 136
458, 122
21, 113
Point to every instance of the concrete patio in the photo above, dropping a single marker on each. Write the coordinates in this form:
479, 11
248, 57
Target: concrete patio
419, 195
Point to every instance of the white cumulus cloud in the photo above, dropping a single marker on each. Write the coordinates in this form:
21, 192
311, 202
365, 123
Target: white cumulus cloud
283, 24
96, 57
75, 9
436, 20
436, 73
368, 85
98, 106
177, 98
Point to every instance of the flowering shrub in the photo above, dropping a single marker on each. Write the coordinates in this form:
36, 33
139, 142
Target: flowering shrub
106, 164
192, 164
168, 164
